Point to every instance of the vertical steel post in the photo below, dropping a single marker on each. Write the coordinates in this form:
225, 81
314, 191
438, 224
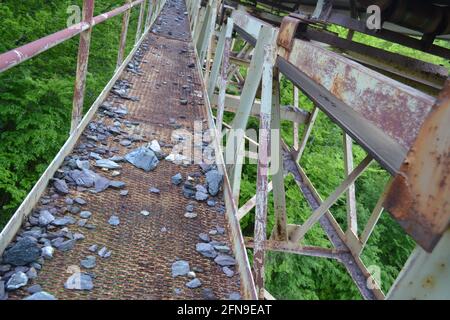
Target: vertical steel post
263, 172
82, 65
148, 19
352, 222
296, 126
140, 21
266, 36
224, 34
223, 76
279, 231
123, 35
307, 133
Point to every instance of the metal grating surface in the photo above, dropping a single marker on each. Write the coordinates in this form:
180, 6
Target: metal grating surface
142, 255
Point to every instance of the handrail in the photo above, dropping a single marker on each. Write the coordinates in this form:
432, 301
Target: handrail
16, 56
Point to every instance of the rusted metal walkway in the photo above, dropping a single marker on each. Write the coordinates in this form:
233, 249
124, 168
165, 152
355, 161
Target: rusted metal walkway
143, 248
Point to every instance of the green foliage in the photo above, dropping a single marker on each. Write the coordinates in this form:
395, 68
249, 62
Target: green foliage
36, 96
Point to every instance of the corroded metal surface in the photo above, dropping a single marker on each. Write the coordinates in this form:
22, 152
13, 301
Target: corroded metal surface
16, 56
142, 253
419, 197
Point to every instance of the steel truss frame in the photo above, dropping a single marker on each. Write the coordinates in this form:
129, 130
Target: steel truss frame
355, 98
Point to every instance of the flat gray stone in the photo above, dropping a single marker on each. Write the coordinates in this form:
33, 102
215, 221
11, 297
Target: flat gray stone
117, 184
143, 158
214, 181
180, 268
225, 260
228, 272
123, 193
47, 252
85, 214
17, 280
66, 245
45, 217
177, 179
234, 296
34, 288
114, 220
79, 281
108, 164
89, 262
206, 250
63, 221
154, 190
204, 237
194, 283
93, 248
42, 295
61, 186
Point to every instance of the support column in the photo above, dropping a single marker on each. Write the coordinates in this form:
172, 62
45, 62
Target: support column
82, 65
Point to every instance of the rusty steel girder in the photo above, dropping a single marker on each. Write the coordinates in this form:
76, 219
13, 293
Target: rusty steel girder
419, 197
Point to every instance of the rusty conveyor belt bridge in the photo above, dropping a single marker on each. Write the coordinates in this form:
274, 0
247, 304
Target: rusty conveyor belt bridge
158, 229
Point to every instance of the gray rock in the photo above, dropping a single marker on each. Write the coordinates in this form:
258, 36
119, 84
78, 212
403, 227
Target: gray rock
45, 217
93, 248
194, 283
206, 250
80, 201
34, 288
82, 222
89, 262
228, 272
190, 215
102, 252
83, 164
108, 164
74, 209
117, 184
85, 214
36, 265
78, 236
214, 180
32, 273
114, 220
42, 295
22, 253
154, 190
200, 196
180, 268
117, 158
234, 296
204, 237
47, 252
63, 221
95, 156
177, 179
79, 281
2, 291
222, 249
190, 207
125, 142
211, 203
66, 245
124, 193
224, 260
143, 158
17, 280
220, 230
61, 186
